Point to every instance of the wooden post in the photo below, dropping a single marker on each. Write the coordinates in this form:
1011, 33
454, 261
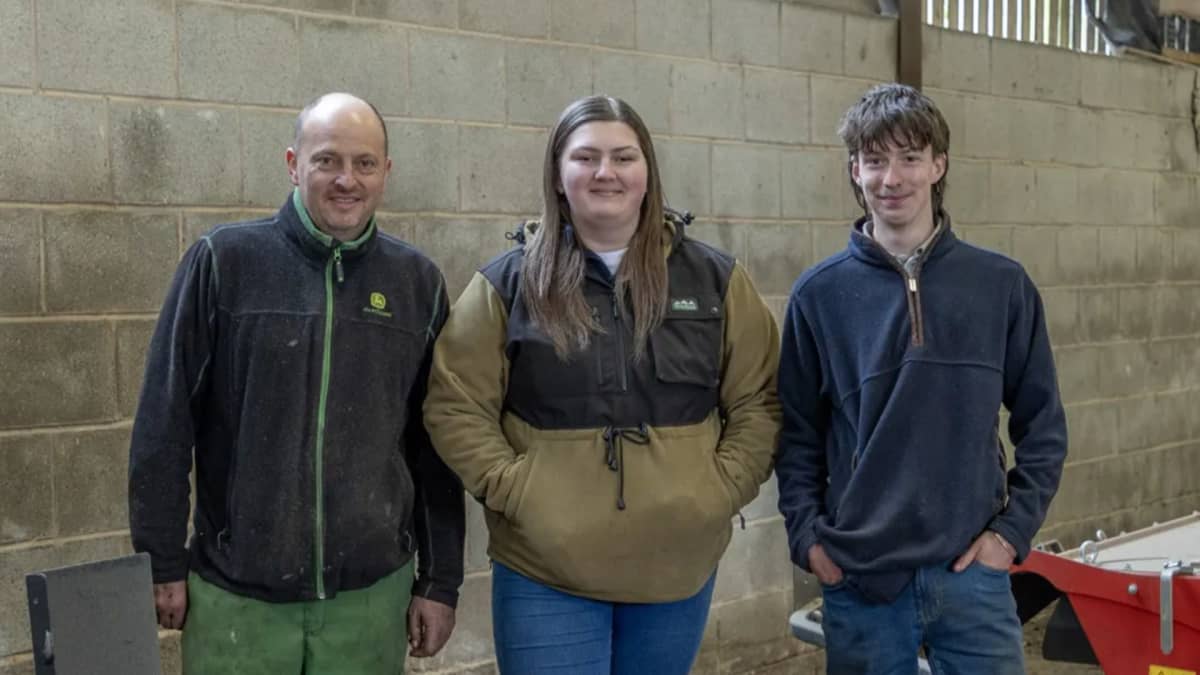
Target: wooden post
908, 62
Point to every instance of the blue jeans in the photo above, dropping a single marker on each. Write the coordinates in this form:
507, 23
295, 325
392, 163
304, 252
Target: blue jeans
967, 623
541, 630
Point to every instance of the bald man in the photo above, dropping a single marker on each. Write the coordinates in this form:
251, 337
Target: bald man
289, 367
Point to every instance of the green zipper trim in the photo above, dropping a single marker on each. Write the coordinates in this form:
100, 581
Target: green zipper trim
437, 310
216, 272
326, 366
319, 450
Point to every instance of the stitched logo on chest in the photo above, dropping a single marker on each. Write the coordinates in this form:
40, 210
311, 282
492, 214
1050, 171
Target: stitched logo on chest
378, 306
685, 305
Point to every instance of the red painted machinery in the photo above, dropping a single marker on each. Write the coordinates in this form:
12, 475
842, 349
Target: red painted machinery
1130, 604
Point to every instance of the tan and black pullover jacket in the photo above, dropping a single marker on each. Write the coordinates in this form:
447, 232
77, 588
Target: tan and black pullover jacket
605, 476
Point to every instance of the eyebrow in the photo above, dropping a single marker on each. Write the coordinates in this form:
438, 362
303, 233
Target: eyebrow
319, 152
589, 148
884, 151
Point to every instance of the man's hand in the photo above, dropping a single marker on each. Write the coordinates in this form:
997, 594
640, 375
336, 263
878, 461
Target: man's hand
429, 626
991, 550
823, 566
170, 601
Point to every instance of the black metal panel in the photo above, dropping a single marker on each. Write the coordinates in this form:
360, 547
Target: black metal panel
1033, 594
1065, 640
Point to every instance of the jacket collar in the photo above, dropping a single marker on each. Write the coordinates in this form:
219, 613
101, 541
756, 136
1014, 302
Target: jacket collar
675, 222
596, 269
298, 227
593, 266
673, 230
864, 247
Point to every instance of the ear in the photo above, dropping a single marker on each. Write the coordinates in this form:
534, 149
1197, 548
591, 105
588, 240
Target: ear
293, 171
854, 172
939, 167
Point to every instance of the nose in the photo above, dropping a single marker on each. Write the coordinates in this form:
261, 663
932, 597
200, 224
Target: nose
891, 177
604, 169
345, 178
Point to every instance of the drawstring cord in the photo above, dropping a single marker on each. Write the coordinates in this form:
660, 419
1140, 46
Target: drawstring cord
614, 455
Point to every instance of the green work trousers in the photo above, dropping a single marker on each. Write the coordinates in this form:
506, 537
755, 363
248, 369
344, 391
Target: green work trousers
361, 632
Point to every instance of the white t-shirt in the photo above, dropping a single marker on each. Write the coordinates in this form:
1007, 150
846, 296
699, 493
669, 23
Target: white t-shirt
612, 259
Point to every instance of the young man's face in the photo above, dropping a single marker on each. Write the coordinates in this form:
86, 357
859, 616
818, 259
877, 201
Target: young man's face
897, 183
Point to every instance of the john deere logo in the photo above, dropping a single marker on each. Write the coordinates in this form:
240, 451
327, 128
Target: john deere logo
378, 306
685, 305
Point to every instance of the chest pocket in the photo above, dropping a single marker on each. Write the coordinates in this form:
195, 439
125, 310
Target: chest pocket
536, 373
687, 346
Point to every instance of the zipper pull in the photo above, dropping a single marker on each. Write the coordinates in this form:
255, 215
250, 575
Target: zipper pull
337, 264
616, 314
912, 284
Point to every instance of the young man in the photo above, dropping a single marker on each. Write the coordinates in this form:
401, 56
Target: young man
897, 355
289, 363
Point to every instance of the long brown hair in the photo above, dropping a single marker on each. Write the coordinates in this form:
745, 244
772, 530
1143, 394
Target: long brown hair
553, 270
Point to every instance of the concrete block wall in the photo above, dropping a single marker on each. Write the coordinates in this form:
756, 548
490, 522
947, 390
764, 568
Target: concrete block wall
135, 125
1084, 169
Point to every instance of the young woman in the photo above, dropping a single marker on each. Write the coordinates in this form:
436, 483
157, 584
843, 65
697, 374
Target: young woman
607, 390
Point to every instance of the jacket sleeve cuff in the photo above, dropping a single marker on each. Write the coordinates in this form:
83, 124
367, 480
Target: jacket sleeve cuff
1019, 542
806, 540
165, 572
431, 590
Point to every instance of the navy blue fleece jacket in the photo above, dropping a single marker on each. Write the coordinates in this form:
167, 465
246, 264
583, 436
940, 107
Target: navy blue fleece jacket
891, 386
